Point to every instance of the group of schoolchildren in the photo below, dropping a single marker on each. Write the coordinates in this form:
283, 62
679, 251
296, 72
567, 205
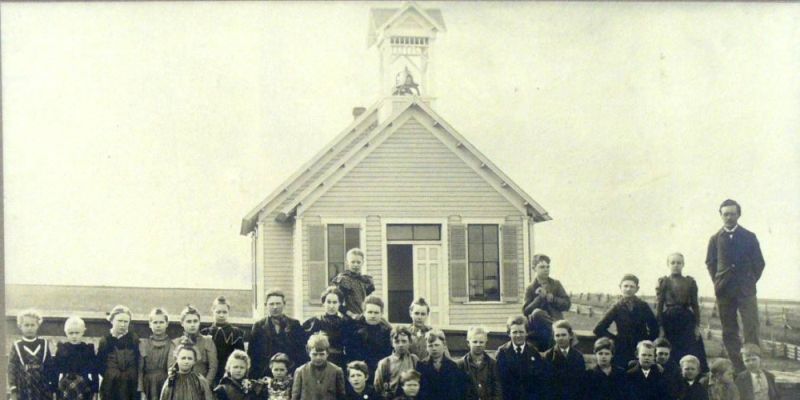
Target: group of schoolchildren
351, 352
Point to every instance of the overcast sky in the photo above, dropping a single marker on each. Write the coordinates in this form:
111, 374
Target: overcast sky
137, 135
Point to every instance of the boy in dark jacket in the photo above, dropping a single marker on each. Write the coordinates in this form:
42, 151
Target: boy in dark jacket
569, 368
755, 383
524, 374
605, 381
645, 381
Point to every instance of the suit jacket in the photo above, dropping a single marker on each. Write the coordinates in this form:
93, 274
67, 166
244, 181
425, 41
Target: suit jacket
525, 377
327, 385
561, 301
448, 383
265, 342
736, 263
485, 379
569, 373
600, 386
744, 383
651, 387
697, 391
633, 326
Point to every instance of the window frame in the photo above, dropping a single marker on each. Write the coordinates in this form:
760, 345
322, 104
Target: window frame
346, 223
499, 225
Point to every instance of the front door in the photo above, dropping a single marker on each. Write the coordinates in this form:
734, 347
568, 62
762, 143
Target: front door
427, 264
400, 283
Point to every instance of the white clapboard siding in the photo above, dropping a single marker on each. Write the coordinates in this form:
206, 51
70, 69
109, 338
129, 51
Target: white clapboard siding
277, 241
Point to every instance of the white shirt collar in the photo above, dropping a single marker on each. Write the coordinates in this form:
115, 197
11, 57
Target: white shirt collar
647, 372
730, 230
30, 340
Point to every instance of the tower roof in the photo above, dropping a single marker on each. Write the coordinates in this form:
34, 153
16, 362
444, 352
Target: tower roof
381, 19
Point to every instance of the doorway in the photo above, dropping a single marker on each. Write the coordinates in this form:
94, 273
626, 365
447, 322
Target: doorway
400, 281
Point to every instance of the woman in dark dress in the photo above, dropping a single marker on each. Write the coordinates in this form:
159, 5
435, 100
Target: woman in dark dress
118, 357
332, 323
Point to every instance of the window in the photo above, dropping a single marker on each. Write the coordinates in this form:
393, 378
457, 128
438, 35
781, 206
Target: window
341, 238
413, 232
483, 256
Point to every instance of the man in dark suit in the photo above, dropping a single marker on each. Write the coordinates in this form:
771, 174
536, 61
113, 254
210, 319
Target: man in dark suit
275, 333
755, 383
735, 263
524, 374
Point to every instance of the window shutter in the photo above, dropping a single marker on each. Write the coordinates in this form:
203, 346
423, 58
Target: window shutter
458, 263
316, 262
510, 292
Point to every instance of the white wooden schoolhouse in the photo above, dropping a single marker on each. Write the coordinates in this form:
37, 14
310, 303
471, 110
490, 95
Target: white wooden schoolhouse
435, 217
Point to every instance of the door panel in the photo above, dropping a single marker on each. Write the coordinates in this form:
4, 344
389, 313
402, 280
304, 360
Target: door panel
426, 278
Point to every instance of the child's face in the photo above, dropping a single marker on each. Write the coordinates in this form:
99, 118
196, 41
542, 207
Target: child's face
603, 358
628, 288
561, 335
675, 263
400, 344
331, 304
74, 334
689, 371
662, 355
411, 388
29, 326
354, 262
419, 314
221, 312
436, 349
477, 344
191, 323
542, 269
372, 314
120, 324
357, 379
752, 362
318, 357
158, 324
646, 357
185, 360
237, 369
518, 333
279, 370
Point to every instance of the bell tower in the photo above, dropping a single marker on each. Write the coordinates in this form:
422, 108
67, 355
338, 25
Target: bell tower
404, 38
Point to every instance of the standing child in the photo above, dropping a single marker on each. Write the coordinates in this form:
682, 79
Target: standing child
318, 379
669, 368
183, 383
644, 380
678, 312
225, 336
332, 323
479, 366
545, 302
569, 368
370, 337
440, 377
29, 363
354, 286
410, 385
357, 388
387, 374
755, 383
76, 364
690, 387
720, 382
234, 385
419, 310
155, 353
279, 385
118, 358
205, 351
524, 374
605, 381
633, 318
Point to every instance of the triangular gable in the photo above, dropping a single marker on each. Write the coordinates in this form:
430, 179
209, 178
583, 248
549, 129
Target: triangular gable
468, 153
381, 18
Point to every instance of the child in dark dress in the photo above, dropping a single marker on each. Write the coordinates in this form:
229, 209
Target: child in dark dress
76, 363
605, 381
279, 385
183, 383
633, 318
354, 285
155, 353
358, 387
225, 336
569, 368
332, 323
30, 375
234, 384
369, 339
118, 358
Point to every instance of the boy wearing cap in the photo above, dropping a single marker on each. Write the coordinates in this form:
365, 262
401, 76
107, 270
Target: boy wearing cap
755, 383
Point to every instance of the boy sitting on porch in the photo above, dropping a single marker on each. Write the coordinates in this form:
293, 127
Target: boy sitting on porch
545, 302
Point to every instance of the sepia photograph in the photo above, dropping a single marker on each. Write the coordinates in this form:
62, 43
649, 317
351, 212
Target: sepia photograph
397, 200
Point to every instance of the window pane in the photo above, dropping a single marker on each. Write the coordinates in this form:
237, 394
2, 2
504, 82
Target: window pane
475, 271
475, 252
490, 233
490, 252
399, 232
335, 245
352, 238
427, 232
475, 234
476, 289
334, 269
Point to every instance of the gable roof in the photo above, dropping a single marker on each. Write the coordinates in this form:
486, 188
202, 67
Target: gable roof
381, 18
307, 185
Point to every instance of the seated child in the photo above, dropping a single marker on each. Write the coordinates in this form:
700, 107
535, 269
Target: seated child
479, 366
387, 374
29, 363
318, 379
155, 354
670, 369
633, 318
605, 381
205, 350
182, 382
409, 385
545, 302
279, 385
354, 286
118, 358
644, 380
690, 386
225, 336
568, 364
369, 339
755, 383
75, 362
234, 384
357, 388
419, 311
720, 383
332, 323
678, 312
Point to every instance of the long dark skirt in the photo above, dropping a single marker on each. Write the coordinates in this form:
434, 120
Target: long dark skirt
679, 326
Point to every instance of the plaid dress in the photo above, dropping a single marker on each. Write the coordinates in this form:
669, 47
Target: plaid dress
30, 369
76, 365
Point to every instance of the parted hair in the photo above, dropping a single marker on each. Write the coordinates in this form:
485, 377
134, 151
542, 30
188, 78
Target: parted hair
374, 300
730, 202
331, 290
515, 320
